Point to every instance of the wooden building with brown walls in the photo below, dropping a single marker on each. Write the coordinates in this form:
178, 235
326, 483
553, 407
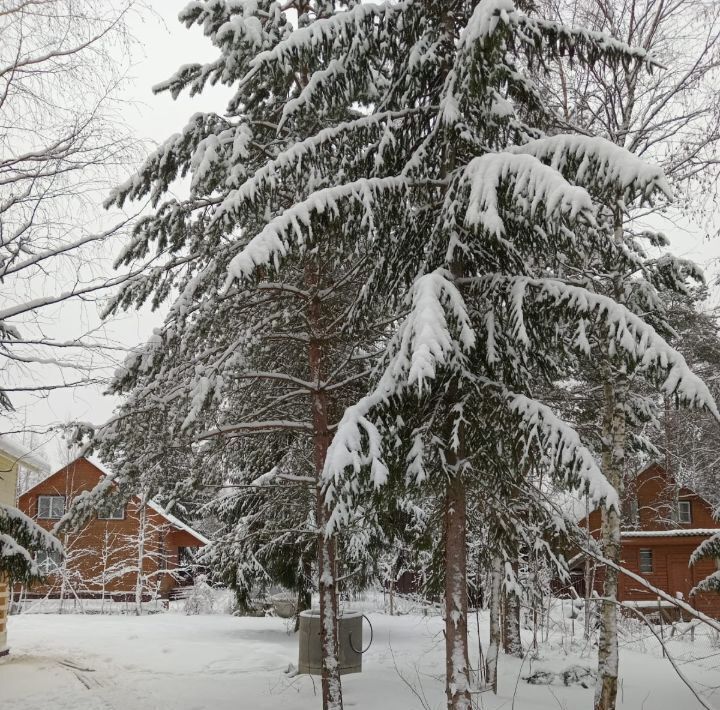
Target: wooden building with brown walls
663, 524
105, 558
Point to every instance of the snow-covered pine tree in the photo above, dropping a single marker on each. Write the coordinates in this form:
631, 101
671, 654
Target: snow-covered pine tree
447, 97
269, 535
425, 158
267, 530
247, 380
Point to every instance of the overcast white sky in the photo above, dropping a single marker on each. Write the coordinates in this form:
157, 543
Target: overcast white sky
163, 45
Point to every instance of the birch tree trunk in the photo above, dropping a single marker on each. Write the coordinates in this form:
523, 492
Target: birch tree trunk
64, 576
615, 394
493, 653
142, 518
330, 674
457, 664
104, 557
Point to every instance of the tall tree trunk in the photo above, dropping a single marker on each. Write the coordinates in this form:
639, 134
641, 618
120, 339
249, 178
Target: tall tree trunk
615, 392
496, 575
457, 664
512, 644
330, 674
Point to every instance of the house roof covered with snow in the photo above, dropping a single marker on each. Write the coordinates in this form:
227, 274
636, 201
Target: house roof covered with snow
24, 455
679, 532
176, 522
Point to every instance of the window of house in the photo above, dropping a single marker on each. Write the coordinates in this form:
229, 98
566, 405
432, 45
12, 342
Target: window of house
48, 562
684, 511
646, 560
116, 514
51, 507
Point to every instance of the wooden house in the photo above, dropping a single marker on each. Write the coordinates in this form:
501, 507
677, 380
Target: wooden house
133, 545
663, 523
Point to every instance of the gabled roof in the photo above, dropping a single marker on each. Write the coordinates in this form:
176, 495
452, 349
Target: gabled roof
660, 470
176, 522
97, 464
684, 490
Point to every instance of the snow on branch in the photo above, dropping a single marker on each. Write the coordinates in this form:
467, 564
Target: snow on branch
20, 538
489, 14
534, 186
484, 21
8, 548
423, 343
707, 550
272, 242
313, 90
171, 160
571, 39
351, 24
86, 504
269, 175
561, 443
425, 337
629, 333
593, 161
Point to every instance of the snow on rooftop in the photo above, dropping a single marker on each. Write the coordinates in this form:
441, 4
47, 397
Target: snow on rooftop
680, 532
175, 522
25, 456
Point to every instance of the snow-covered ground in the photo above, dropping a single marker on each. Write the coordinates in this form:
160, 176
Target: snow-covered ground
218, 662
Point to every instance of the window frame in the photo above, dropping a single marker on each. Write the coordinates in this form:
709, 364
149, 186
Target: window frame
685, 505
50, 515
648, 553
44, 564
121, 508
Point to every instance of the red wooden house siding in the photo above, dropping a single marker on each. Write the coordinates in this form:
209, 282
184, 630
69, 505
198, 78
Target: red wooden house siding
111, 539
654, 527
